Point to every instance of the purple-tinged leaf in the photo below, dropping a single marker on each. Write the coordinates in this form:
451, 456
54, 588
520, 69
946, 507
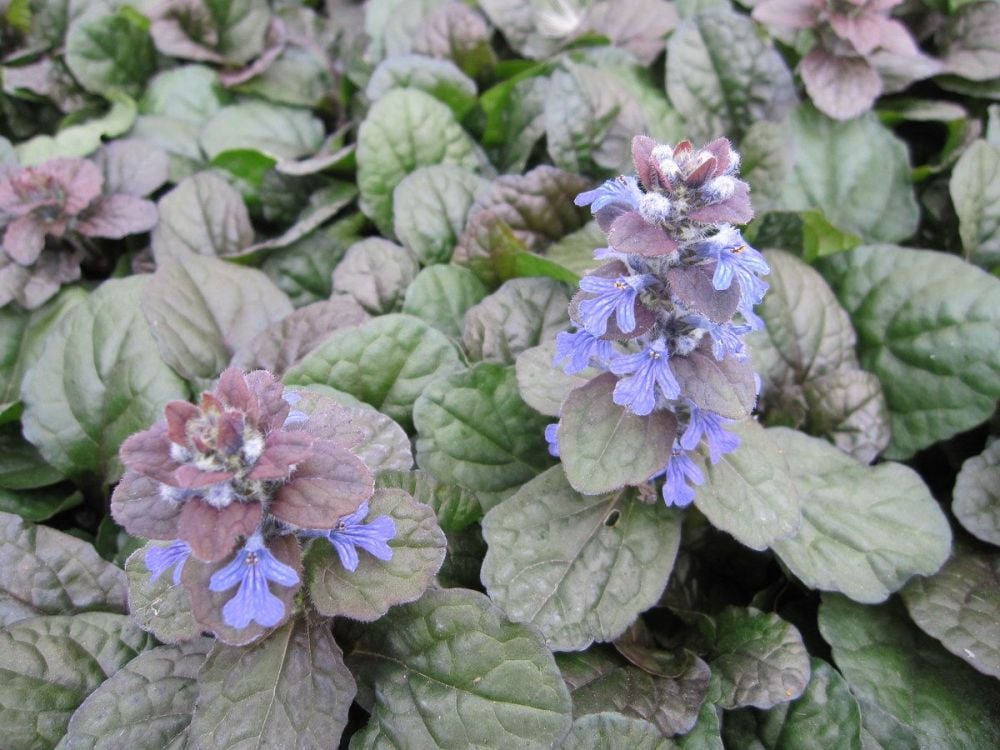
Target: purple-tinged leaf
24, 239
213, 533
692, 285
840, 86
132, 167
117, 216
330, 484
725, 387
630, 233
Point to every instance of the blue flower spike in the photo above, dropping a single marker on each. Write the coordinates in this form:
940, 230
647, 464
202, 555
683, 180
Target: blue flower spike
679, 473
252, 569
648, 376
372, 537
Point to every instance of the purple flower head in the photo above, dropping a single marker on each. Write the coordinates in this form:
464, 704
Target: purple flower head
711, 426
552, 438
372, 537
580, 349
680, 473
647, 371
161, 559
615, 296
252, 568
622, 192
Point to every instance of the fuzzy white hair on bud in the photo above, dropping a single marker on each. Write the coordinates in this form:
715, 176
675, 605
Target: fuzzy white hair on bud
180, 454
655, 208
253, 446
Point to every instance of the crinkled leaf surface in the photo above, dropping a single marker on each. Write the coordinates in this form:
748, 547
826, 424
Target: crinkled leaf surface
49, 665
161, 607
856, 172
110, 54
367, 593
451, 671
188, 92
387, 362
474, 430
928, 325
960, 606
147, 703
759, 658
272, 129
543, 385
406, 129
53, 573
976, 502
750, 493
291, 689
442, 79
202, 310
604, 446
865, 529
456, 507
975, 191
376, 273
441, 295
39, 504
98, 380
429, 209
826, 715
578, 567
204, 215
939, 699
519, 315
610, 729
722, 76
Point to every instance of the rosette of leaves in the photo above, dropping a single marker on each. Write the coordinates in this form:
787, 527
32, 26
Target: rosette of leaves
854, 41
52, 213
663, 318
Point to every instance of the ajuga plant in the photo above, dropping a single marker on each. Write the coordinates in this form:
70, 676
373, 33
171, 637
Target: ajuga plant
660, 323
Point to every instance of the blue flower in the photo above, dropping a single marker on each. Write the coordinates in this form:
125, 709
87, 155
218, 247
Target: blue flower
580, 349
735, 259
372, 537
679, 472
295, 417
709, 425
161, 559
623, 191
726, 337
647, 371
614, 296
552, 438
252, 568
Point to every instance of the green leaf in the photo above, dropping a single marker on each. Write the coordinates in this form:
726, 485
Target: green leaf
578, 567
22, 466
609, 729
856, 172
161, 607
521, 314
248, 165
976, 195
110, 54
53, 573
189, 92
821, 238
455, 32
906, 675
590, 119
534, 209
272, 129
759, 659
367, 593
376, 273
706, 732
429, 209
765, 162
456, 507
291, 689
929, 326
147, 703
976, 502
865, 530
49, 665
406, 129
203, 215
473, 430
440, 78
960, 606
118, 384
601, 682
544, 386
826, 716
515, 118
575, 251
604, 446
387, 362
450, 670
750, 493
202, 310
22, 336
303, 269
849, 408
39, 504
79, 140
722, 76
441, 295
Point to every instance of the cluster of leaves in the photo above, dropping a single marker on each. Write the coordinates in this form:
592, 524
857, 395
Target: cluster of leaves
375, 203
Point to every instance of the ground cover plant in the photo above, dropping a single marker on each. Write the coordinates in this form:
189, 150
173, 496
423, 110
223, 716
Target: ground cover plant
511, 373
